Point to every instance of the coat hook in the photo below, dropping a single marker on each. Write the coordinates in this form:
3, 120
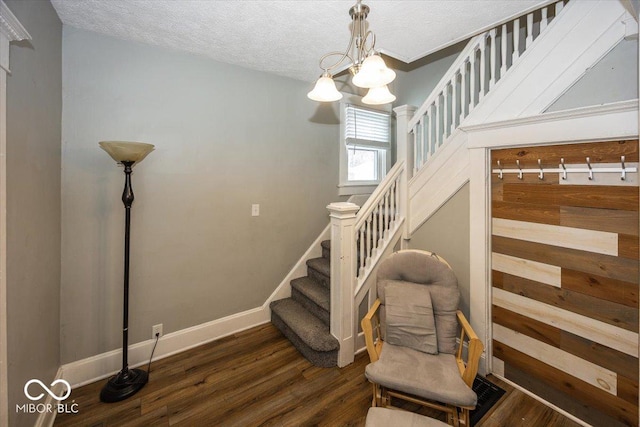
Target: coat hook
590, 170
500, 172
564, 169
520, 169
624, 170
541, 174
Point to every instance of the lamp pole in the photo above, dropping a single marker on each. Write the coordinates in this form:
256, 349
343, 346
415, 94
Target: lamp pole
127, 382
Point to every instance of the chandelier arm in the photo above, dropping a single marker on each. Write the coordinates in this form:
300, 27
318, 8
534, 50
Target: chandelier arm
346, 52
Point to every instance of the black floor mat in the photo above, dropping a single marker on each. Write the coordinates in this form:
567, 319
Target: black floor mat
488, 394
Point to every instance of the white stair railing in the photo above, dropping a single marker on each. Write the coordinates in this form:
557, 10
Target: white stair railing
483, 62
359, 237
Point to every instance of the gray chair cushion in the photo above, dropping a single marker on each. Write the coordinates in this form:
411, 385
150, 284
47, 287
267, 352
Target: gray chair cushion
383, 417
423, 268
409, 317
433, 377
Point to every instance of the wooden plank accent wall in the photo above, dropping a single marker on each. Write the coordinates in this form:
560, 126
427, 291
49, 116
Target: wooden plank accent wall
565, 274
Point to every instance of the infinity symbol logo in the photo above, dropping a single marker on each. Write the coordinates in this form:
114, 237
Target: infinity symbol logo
47, 389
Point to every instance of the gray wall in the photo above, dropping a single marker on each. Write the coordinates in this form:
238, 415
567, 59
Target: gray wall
613, 78
415, 81
34, 103
447, 234
225, 137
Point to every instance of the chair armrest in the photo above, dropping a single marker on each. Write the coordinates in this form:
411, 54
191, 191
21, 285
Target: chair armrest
468, 369
371, 323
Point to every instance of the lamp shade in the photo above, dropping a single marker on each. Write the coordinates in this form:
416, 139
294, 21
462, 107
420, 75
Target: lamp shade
373, 73
379, 95
126, 151
325, 90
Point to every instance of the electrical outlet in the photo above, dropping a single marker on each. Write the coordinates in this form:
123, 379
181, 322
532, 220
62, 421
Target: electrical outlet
255, 210
156, 329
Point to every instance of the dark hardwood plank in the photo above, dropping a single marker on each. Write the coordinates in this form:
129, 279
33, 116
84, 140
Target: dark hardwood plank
609, 312
611, 220
587, 196
628, 246
599, 152
541, 214
601, 287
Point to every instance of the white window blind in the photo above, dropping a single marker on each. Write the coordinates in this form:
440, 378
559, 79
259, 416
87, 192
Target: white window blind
366, 127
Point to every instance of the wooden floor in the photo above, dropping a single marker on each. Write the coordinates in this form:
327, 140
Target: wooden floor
258, 378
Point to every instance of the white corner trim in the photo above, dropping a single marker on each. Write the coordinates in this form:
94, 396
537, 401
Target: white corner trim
10, 27
46, 419
103, 365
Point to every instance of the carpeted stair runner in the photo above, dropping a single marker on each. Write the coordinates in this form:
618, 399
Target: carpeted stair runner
304, 318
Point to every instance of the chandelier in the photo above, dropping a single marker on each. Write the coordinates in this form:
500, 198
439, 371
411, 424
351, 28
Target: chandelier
366, 65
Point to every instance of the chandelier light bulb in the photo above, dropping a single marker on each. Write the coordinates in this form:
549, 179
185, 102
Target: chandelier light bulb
373, 73
378, 96
325, 90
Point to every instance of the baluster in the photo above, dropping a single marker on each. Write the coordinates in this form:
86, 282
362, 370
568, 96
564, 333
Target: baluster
503, 50
374, 235
381, 221
545, 19
386, 213
430, 129
438, 119
415, 150
454, 106
493, 47
396, 201
529, 39
423, 152
368, 242
445, 107
463, 94
472, 81
483, 65
516, 40
416, 153
559, 7
362, 244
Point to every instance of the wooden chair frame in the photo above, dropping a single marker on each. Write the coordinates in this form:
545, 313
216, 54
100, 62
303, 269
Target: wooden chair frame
468, 368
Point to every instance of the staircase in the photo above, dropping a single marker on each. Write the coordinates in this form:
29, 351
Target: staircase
304, 318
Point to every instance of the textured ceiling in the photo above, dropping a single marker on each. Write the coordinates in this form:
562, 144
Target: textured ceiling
286, 37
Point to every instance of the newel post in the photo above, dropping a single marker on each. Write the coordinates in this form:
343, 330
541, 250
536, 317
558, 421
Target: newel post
343, 271
405, 152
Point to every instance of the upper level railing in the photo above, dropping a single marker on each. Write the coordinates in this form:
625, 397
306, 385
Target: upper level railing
482, 63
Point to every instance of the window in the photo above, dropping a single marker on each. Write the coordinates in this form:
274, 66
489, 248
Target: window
365, 144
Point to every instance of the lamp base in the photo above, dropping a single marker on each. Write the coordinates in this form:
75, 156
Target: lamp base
124, 384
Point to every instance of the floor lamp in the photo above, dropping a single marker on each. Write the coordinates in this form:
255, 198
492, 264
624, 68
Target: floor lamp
127, 382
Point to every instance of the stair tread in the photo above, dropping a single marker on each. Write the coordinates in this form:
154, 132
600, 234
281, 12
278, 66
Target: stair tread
326, 244
321, 265
308, 327
316, 292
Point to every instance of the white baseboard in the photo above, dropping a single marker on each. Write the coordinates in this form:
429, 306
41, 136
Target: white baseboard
103, 365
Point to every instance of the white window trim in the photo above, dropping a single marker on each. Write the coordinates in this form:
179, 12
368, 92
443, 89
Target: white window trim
346, 187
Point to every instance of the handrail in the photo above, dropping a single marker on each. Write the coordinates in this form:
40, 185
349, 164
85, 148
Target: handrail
446, 78
368, 207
